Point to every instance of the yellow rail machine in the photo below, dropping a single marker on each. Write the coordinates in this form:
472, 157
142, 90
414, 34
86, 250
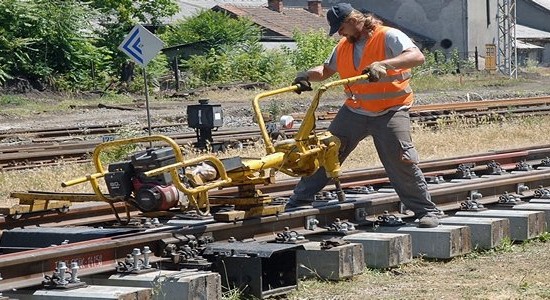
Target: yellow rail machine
161, 179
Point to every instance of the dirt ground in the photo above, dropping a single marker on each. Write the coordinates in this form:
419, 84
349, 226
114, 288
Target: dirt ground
48, 110
520, 271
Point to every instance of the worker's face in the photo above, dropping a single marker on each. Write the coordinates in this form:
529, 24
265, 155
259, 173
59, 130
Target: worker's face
351, 29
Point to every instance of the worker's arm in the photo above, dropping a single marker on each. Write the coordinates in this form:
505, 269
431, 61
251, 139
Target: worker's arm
319, 73
409, 58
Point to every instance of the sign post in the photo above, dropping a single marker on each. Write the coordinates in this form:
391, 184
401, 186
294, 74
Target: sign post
142, 46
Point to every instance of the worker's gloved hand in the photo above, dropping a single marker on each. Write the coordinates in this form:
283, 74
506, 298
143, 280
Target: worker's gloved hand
376, 71
302, 79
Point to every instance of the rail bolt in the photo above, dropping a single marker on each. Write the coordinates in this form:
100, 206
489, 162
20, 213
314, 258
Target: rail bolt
522, 188
62, 269
146, 253
135, 255
74, 270
311, 223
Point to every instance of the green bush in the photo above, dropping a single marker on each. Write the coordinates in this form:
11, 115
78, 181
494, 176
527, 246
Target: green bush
439, 64
216, 29
312, 49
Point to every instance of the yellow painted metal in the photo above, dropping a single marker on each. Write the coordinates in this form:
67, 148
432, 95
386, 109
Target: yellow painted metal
307, 150
26, 197
192, 193
242, 201
257, 211
300, 156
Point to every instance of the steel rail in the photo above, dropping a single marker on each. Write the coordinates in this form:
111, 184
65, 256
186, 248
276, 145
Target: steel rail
48, 153
507, 159
26, 268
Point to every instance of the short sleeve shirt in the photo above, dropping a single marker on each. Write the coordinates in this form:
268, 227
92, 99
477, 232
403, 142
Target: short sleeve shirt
396, 43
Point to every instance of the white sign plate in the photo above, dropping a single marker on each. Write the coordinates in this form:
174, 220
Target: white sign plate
141, 45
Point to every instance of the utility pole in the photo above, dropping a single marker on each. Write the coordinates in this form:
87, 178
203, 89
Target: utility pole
507, 57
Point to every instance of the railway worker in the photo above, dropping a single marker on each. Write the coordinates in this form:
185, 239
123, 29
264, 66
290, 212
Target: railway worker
378, 108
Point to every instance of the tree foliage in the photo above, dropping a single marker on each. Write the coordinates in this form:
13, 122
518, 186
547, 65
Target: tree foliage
437, 62
60, 42
118, 17
216, 29
47, 40
312, 49
233, 50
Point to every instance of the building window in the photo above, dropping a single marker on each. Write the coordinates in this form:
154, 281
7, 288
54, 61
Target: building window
488, 4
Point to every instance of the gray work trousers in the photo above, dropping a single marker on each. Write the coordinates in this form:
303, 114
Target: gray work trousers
391, 134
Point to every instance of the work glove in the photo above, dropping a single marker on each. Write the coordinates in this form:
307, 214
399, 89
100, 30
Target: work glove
376, 71
302, 79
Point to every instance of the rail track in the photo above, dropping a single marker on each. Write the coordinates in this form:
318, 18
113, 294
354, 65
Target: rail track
496, 180
46, 147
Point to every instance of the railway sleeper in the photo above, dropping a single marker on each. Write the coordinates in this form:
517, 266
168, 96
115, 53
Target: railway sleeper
458, 234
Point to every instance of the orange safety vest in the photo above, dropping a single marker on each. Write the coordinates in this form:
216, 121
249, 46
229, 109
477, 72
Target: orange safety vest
393, 90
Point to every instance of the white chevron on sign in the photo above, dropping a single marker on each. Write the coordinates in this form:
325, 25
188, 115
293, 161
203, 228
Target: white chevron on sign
141, 45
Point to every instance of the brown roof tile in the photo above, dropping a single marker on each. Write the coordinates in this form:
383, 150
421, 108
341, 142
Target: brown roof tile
278, 23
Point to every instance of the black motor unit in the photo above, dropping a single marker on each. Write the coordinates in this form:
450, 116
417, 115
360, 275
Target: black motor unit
126, 179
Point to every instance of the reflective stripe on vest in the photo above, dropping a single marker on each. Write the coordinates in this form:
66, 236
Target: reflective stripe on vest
393, 90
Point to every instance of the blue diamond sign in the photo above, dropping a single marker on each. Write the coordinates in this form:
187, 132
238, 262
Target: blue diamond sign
141, 45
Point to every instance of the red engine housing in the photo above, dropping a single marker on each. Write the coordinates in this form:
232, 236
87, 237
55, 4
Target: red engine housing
154, 197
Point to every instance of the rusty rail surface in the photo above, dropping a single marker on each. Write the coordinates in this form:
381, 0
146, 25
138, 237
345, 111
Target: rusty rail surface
26, 268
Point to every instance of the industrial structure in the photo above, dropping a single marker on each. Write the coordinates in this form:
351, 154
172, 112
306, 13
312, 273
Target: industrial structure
484, 30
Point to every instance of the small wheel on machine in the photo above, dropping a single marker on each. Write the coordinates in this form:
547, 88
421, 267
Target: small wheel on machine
15, 216
63, 210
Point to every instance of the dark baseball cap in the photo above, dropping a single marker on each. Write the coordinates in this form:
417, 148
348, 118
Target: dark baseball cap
336, 16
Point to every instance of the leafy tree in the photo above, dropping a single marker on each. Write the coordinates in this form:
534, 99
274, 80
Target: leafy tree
15, 18
232, 48
312, 49
119, 16
47, 41
438, 62
216, 29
